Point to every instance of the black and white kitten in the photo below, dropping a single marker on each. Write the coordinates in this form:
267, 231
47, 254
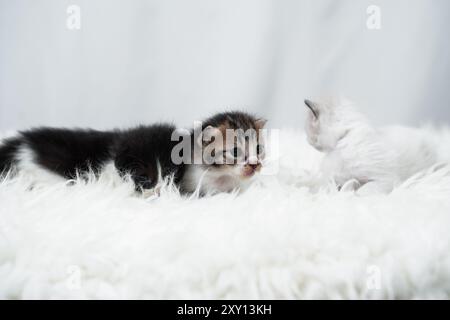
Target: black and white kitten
145, 153
53, 153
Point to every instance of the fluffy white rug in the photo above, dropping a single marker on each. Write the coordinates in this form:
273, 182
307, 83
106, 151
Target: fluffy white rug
277, 240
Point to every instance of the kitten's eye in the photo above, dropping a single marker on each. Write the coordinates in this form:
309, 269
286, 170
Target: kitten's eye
259, 149
236, 152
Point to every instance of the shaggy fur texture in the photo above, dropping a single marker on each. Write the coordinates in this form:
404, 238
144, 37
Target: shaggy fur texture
98, 239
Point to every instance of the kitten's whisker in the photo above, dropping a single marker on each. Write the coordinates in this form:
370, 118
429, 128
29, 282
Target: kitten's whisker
196, 193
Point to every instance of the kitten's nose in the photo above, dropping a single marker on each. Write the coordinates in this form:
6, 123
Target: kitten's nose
255, 166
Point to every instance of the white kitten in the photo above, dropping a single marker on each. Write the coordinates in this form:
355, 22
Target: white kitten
358, 155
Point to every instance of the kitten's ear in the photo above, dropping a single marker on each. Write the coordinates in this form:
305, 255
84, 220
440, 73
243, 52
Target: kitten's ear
313, 107
260, 123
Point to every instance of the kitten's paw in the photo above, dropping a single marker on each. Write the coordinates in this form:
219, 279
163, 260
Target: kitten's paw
149, 193
375, 188
350, 186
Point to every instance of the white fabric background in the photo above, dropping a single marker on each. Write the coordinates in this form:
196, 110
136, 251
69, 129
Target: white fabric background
141, 61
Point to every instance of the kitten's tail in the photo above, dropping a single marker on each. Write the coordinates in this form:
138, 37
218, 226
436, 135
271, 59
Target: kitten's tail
8, 154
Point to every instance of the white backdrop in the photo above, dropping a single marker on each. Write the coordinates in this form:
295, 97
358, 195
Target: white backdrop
140, 61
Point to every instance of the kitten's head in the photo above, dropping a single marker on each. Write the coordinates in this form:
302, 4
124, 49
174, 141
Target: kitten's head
232, 149
329, 121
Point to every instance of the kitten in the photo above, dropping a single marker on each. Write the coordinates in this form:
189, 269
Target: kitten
358, 155
236, 151
144, 153
51, 153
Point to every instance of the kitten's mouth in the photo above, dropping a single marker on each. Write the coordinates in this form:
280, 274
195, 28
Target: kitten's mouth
248, 174
250, 170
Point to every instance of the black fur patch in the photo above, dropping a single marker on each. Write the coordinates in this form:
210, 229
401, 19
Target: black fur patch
8, 151
138, 151
68, 152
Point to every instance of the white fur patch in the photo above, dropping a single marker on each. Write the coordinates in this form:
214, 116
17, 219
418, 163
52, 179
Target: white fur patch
30, 170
